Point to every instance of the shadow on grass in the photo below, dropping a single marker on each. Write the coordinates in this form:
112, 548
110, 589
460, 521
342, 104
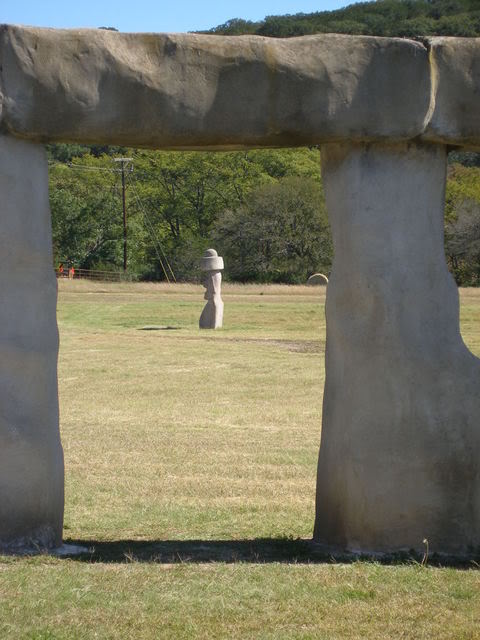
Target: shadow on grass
154, 327
257, 550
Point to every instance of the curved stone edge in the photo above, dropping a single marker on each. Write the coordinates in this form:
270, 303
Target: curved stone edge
317, 279
190, 91
455, 72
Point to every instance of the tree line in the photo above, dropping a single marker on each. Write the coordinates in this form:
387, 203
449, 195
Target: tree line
392, 18
263, 210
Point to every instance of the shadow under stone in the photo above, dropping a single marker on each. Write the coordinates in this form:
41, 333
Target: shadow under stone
158, 328
256, 550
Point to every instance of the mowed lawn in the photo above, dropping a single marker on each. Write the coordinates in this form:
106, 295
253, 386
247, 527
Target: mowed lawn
190, 475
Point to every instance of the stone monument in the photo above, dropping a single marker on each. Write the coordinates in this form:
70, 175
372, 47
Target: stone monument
212, 314
400, 450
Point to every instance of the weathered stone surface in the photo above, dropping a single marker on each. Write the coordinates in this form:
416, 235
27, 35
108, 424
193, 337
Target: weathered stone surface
455, 65
196, 91
399, 456
401, 434
190, 91
31, 458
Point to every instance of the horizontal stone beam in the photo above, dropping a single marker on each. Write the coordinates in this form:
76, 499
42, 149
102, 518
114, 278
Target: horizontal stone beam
196, 91
191, 91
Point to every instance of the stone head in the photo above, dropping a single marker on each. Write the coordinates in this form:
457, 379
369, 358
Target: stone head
212, 265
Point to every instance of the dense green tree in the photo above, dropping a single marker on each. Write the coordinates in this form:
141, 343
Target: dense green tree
179, 203
462, 244
245, 202
462, 229
280, 234
237, 26
181, 196
86, 213
173, 198
66, 152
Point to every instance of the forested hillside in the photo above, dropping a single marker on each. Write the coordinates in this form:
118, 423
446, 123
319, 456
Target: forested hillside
403, 18
263, 210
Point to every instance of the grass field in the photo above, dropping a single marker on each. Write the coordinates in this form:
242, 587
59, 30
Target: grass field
190, 474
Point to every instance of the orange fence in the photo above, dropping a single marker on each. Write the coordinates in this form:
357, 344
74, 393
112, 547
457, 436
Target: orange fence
90, 274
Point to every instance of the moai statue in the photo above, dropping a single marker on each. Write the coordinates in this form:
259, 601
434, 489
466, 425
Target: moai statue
212, 314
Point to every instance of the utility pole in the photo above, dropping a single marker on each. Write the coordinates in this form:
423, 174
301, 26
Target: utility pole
124, 163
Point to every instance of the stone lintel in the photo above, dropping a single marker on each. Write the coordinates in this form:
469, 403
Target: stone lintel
189, 91
192, 91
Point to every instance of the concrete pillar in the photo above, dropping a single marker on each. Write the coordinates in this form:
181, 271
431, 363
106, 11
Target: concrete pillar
400, 450
31, 458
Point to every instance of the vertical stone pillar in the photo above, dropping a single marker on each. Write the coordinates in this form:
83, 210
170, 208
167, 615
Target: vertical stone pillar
31, 458
400, 450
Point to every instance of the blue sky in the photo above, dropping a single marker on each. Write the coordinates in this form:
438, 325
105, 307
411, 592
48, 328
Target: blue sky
150, 15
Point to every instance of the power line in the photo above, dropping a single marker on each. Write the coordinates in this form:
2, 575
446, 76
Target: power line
124, 164
80, 167
156, 242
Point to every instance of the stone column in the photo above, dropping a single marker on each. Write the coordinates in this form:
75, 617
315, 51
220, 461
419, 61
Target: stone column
31, 458
400, 450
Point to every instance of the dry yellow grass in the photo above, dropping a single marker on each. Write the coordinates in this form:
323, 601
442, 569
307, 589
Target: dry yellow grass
190, 468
